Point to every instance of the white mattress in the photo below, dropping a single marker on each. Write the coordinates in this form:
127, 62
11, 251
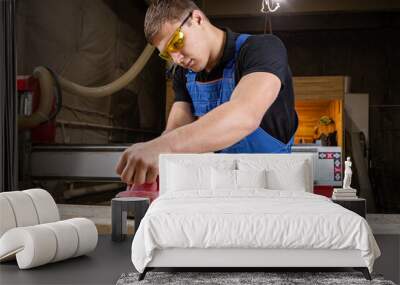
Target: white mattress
252, 218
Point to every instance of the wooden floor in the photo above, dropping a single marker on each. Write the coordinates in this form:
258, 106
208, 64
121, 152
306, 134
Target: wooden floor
103, 266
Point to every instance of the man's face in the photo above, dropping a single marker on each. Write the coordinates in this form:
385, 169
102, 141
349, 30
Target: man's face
194, 54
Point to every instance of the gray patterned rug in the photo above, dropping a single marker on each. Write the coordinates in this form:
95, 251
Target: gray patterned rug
242, 278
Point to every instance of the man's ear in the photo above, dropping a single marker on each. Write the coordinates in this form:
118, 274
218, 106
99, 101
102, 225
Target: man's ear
198, 17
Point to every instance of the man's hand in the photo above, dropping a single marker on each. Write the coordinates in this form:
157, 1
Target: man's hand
139, 163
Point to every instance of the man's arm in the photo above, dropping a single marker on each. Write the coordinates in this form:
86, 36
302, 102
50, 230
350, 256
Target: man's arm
180, 115
218, 129
230, 122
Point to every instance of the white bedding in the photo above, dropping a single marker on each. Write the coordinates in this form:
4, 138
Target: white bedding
251, 218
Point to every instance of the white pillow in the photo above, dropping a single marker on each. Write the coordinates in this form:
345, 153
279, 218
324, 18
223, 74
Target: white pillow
251, 178
281, 174
184, 173
223, 179
235, 179
292, 179
182, 177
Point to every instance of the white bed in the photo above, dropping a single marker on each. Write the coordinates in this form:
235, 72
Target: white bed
215, 211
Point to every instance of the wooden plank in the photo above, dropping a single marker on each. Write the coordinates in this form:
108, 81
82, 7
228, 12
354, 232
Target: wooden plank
336, 113
319, 87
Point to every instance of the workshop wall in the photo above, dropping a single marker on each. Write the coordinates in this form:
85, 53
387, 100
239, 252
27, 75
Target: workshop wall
92, 43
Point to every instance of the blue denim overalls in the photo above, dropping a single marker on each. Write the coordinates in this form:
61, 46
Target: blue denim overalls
209, 95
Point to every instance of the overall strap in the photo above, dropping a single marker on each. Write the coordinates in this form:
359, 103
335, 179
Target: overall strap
229, 68
239, 42
190, 76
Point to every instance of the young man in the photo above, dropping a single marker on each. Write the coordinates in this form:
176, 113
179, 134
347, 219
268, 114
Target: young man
233, 93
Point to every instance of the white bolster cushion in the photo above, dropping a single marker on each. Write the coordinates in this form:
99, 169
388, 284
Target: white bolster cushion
26, 208
7, 218
33, 246
67, 239
87, 235
37, 245
23, 208
45, 205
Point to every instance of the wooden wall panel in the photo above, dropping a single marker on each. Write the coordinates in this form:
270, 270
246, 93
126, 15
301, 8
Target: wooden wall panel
335, 111
320, 87
309, 112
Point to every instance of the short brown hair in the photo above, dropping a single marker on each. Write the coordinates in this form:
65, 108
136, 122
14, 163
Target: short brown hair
162, 11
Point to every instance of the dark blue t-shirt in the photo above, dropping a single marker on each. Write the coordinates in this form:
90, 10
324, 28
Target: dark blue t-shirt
259, 53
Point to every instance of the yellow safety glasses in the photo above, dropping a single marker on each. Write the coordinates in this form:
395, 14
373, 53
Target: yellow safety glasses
176, 41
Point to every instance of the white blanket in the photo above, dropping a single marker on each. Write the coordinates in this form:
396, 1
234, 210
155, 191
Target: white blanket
252, 218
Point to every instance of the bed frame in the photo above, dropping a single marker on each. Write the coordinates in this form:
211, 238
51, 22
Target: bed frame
242, 259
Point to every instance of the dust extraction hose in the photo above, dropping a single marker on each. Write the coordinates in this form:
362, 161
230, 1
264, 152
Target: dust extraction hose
47, 82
